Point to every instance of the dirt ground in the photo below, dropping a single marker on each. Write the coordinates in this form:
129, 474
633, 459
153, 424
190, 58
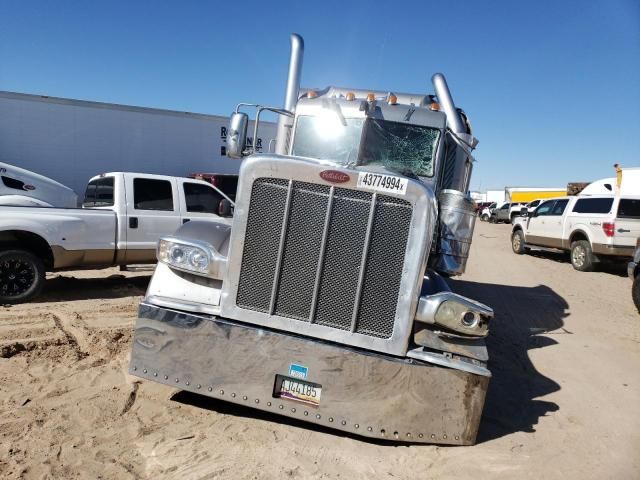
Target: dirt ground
563, 402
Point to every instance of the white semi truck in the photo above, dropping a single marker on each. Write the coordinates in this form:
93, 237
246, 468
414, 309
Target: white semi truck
20, 187
322, 300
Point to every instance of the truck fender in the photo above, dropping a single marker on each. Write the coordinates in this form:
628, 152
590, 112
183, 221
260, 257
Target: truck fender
214, 233
30, 241
518, 226
576, 234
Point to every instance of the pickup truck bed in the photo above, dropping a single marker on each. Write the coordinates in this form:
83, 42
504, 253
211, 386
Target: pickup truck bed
75, 236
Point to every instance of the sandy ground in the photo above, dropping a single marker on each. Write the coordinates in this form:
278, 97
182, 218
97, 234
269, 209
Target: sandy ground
563, 402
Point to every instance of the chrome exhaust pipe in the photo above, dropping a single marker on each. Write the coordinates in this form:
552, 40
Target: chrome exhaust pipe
291, 94
444, 98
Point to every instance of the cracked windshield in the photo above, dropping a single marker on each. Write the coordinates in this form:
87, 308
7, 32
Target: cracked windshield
406, 149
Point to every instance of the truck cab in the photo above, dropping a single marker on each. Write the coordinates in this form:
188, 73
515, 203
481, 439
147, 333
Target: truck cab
149, 206
323, 299
20, 187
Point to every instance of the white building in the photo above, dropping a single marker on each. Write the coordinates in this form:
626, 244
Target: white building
73, 140
497, 196
478, 196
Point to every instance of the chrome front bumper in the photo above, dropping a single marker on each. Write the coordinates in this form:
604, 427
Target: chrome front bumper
364, 393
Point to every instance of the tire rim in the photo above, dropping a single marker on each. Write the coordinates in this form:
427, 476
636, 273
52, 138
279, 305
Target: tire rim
16, 277
578, 256
516, 242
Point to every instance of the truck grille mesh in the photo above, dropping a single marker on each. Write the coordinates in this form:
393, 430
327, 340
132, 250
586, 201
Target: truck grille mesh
316, 266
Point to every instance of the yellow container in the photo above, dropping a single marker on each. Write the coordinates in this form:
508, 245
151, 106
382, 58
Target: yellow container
525, 196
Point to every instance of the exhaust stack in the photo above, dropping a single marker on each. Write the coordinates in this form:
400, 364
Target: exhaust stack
291, 94
444, 97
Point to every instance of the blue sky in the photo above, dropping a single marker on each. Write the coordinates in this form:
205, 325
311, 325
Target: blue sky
552, 88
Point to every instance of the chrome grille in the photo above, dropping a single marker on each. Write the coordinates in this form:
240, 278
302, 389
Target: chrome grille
301, 253
325, 255
262, 241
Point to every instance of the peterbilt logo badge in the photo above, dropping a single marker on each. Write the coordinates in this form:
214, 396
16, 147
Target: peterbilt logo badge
334, 176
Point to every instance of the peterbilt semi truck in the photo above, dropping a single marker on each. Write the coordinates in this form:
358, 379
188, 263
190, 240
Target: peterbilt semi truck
324, 300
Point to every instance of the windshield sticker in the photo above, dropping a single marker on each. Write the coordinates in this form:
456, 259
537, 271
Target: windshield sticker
382, 183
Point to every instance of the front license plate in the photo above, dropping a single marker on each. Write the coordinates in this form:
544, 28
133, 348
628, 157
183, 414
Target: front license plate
382, 183
298, 390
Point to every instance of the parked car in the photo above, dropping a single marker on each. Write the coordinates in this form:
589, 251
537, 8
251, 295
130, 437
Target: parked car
485, 213
587, 226
634, 274
123, 216
481, 206
506, 213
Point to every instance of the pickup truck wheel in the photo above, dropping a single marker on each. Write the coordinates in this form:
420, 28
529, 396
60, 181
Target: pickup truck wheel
635, 291
484, 217
582, 256
517, 242
22, 276
492, 219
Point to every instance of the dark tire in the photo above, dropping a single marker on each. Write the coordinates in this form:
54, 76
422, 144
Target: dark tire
22, 276
484, 217
635, 291
582, 257
517, 242
492, 219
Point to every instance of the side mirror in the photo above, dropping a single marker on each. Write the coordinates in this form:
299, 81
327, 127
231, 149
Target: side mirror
524, 211
237, 135
225, 209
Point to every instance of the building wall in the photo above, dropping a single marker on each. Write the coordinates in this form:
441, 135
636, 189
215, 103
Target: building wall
478, 196
70, 140
495, 196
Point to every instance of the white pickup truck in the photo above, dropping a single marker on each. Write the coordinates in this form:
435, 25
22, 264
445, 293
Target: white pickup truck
123, 216
587, 226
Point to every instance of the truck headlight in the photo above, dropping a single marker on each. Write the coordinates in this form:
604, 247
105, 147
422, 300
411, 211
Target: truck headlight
191, 256
456, 313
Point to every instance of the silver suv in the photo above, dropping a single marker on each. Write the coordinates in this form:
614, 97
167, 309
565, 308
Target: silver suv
506, 213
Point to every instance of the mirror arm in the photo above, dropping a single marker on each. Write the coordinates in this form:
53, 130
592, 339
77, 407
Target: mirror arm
279, 111
245, 105
260, 108
255, 130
